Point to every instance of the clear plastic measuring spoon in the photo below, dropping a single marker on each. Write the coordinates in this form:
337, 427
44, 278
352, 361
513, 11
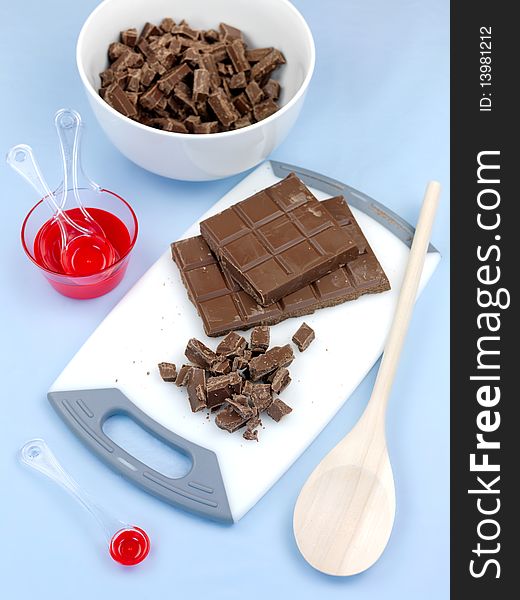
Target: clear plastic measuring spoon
128, 545
83, 251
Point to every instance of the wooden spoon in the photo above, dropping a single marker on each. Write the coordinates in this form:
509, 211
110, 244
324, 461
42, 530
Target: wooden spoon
345, 511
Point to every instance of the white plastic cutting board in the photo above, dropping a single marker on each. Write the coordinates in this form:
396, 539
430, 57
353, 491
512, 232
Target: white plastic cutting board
153, 322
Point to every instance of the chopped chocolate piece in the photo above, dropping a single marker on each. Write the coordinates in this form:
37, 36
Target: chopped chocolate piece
239, 363
276, 357
183, 376
167, 24
175, 46
200, 354
254, 92
107, 77
200, 85
127, 59
169, 80
197, 389
242, 104
175, 126
238, 81
303, 337
151, 98
229, 33
211, 35
251, 432
278, 409
218, 51
207, 62
267, 64
165, 57
182, 92
240, 404
117, 99
219, 389
242, 122
280, 379
147, 75
116, 49
248, 355
185, 30
220, 366
272, 89
237, 55
208, 127
133, 80
277, 240
260, 338
191, 121
256, 54
261, 396
148, 30
221, 61
222, 69
223, 108
168, 371
232, 345
229, 419
223, 306
129, 37
247, 387
191, 56
133, 97
265, 109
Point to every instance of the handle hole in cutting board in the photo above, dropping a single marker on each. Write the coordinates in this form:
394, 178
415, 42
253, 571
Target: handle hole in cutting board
127, 434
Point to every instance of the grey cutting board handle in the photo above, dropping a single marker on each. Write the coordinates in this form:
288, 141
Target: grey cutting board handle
200, 491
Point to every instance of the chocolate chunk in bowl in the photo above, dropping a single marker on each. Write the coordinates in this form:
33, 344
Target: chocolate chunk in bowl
206, 70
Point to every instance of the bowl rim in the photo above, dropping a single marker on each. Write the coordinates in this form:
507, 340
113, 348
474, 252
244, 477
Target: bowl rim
222, 134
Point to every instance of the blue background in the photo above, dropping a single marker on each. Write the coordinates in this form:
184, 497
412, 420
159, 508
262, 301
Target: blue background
376, 117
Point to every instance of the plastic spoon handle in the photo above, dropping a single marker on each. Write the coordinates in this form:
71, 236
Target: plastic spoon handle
68, 126
36, 454
21, 159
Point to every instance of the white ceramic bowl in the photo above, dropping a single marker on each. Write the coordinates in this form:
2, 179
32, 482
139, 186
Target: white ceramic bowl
211, 156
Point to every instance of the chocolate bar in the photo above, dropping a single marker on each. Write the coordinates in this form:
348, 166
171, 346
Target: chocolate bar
223, 306
278, 240
303, 337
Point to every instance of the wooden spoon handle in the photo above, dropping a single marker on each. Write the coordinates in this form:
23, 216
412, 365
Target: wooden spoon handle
406, 301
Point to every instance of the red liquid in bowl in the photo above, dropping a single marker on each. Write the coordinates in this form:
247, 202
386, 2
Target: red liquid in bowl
48, 247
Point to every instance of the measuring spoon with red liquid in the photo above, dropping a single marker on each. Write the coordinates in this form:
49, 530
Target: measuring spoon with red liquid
128, 545
83, 250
